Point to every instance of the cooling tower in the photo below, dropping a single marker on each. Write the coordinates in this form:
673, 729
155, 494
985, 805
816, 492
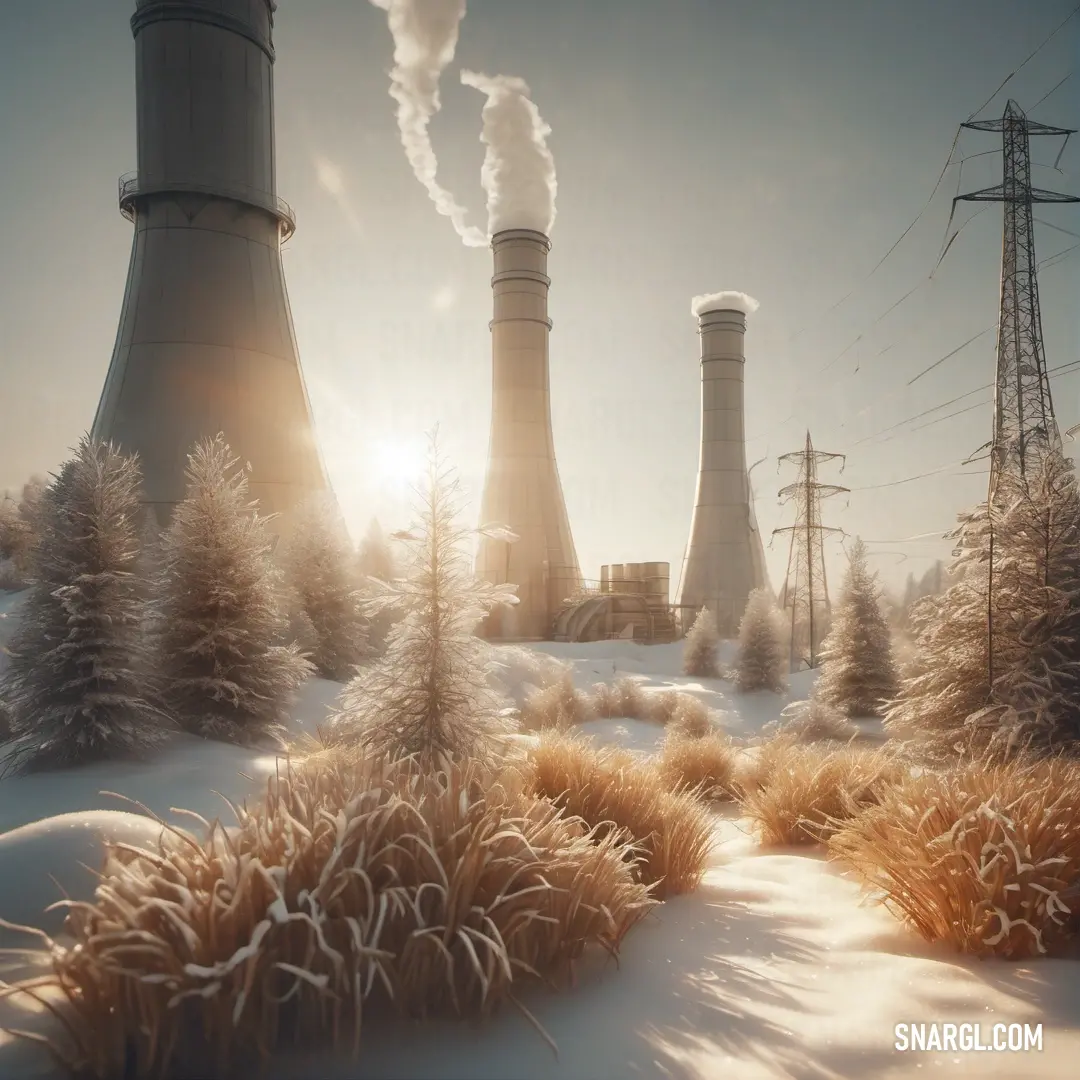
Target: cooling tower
205, 342
522, 488
725, 559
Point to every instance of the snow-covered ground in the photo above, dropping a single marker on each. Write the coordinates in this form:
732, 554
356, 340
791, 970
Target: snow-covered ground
775, 967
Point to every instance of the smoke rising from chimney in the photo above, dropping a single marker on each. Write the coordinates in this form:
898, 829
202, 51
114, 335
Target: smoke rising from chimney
425, 36
724, 301
518, 173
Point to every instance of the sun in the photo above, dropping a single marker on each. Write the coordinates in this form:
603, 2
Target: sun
398, 463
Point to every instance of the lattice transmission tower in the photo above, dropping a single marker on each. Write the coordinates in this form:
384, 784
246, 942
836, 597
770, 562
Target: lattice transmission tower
1024, 422
806, 590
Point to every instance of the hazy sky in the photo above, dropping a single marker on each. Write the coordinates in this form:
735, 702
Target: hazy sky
777, 147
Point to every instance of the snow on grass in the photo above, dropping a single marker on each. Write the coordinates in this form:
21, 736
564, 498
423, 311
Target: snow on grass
659, 667
771, 969
775, 967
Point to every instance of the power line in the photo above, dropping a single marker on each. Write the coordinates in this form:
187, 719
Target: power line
899, 240
923, 476
1061, 369
1058, 228
1049, 261
949, 355
1046, 41
1055, 87
945, 168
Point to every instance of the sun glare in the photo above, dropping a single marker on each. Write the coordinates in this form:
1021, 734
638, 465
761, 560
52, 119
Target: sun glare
398, 463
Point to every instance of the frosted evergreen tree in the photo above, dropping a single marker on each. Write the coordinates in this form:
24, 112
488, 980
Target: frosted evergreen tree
1017, 688
950, 679
858, 673
1035, 693
319, 568
700, 648
761, 658
431, 694
77, 687
224, 675
19, 529
375, 563
374, 558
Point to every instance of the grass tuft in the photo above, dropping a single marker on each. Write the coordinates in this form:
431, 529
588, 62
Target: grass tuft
984, 858
353, 887
705, 765
618, 793
799, 794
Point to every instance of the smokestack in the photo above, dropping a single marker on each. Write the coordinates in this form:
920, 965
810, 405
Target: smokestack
205, 342
725, 559
522, 488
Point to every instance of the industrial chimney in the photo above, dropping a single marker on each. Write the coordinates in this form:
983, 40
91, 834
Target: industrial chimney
725, 559
205, 342
522, 488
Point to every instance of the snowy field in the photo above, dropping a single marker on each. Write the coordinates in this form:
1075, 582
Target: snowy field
774, 967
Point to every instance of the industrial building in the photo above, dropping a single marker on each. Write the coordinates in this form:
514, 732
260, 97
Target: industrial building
725, 557
205, 342
522, 489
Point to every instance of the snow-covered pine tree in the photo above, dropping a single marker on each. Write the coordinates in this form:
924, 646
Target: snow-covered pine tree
77, 688
374, 559
375, 562
19, 530
223, 675
431, 696
858, 673
949, 680
320, 571
1036, 631
700, 648
761, 660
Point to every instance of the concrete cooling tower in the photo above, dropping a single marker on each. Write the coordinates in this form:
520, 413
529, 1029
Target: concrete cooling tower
205, 342
522, 488
725, 558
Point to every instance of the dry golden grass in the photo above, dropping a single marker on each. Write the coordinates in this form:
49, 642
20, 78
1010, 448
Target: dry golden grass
705, 766
559, 706
985, 858
799, 794
351, 887
814, 721
754, 766
682, 714
617, 793
623, 697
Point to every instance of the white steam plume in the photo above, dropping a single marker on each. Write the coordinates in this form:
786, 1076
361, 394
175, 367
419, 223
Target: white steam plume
425, 36
518, 172
724, 301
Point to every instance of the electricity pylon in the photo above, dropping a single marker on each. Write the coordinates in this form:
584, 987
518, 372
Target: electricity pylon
1024, 422
806, 590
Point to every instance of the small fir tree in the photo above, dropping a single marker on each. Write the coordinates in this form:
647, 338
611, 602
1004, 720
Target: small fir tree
224, 676
374, 559
20, 527
431, 696
858, 673
761, 658
700, 649
375, 563
319, 568
77, 688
